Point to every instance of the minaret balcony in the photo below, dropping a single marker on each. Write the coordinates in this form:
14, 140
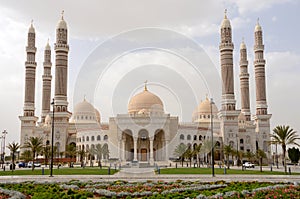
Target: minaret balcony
259, 47
259, 62
226, 46
61, 47
30, 49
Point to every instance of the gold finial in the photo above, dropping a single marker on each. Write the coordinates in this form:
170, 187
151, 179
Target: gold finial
145, 87
257, 20
84, 97
206, 96
31, 22
62, 15
225, 14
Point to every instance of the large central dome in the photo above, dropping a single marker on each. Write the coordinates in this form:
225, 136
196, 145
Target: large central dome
145, 103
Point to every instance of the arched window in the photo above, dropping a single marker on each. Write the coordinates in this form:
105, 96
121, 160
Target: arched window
231, 143
188, 137
200, 137
98, 137
181, 137
105, 138
93, 138
195, 137
83, 139
87, 138
265, 146
241, 141
194, 146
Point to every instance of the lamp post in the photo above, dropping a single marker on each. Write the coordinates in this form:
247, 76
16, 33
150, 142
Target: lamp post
212, 139
3, 150
52, 139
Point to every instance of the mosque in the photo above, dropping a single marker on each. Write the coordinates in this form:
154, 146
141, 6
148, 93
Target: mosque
146, 133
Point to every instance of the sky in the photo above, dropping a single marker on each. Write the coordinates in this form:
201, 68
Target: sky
116, 45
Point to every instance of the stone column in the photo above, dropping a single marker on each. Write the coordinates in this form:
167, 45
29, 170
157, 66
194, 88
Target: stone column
166, 149
151, 151
124, 150
135, 149
119, 149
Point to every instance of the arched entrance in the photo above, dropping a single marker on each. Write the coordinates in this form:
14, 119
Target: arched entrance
143, 145
159, 144
127, 145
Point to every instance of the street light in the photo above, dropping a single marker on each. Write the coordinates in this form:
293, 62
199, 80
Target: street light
3, 150
52, 139
212, 139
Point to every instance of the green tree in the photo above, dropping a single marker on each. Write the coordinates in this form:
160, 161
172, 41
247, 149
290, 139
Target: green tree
46, 152
260, 155
35, 144
196, 152
294, 154
249, 155
71, 153
227, 152
26, 155
179, 152
13, 147
188, 154
284, 136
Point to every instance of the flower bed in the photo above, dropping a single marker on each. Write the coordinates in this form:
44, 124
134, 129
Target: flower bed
149, 189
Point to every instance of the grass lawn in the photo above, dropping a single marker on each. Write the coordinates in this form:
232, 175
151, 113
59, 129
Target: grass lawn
61, 171
219, 171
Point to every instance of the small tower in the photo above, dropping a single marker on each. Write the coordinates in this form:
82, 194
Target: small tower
228, 114
262, 118
244, 82
28, 119
47, 77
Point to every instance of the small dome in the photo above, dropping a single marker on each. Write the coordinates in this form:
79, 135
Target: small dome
84, 112
258, 27
203, 111
225, 23
62, 23
31, 28
146, 102
243, 45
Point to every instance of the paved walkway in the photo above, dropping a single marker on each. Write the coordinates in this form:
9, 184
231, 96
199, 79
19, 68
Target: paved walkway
143, 174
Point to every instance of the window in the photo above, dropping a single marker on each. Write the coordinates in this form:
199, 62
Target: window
195, 137
241, 141
98, 138
189, 137
200, 137
93, 138
87, 138
83, 139
181, 137
105, 138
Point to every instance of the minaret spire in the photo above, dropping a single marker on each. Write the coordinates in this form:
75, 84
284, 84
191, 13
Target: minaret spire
244, 82
47, 77
145, 86
259, 65
30, 66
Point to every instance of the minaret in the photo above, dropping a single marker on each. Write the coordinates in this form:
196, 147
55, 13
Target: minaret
244, 82
47, 77
30, 66
259, 65
226, 49
262, 118
62, 115
61, 66
228, 114
28, 119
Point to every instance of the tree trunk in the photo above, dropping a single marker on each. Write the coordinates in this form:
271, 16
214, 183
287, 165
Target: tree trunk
284, 161
260, 160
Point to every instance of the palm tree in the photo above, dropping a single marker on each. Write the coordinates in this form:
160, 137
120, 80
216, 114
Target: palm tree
81, 154
284, 135
98, 152
35, 144
189, 154
71, 153
260, 154
227, 151
179, 152
249, 155
196, 152
105, 152
13, 147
